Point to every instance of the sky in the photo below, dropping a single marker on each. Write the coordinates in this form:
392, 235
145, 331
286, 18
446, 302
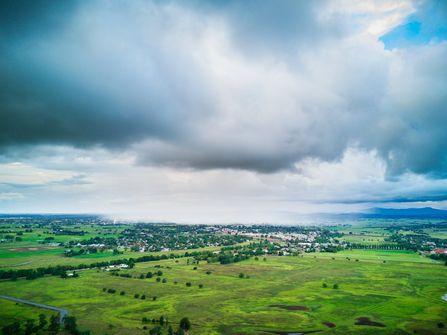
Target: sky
222, 111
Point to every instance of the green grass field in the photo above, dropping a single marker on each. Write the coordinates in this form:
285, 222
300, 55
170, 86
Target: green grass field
404, 294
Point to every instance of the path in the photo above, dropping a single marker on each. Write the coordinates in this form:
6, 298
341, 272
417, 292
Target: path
62, 312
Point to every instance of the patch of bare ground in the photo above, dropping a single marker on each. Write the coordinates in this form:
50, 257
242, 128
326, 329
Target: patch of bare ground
366, 321
329, 324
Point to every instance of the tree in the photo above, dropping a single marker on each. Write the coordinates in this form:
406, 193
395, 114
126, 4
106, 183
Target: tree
170, 330
324, 285
335, 286
185, 324
42, 321
11, 329
54, 323
70, 325
29, 327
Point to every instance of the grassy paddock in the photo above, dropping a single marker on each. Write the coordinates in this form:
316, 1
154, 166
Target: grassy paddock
283, 294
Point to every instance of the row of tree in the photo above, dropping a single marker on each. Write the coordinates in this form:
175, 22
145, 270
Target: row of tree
59, 270
33, 327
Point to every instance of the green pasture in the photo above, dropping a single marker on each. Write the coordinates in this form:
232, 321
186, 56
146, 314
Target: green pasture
282, 295
375, 256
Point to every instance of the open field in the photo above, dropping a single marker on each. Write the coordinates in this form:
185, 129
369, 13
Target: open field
377, 256
396, 294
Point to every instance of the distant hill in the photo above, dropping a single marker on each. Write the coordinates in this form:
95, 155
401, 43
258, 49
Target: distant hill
427, 212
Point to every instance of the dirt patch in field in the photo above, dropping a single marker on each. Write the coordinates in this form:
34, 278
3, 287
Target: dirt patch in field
291, 308
329, 324
365, 321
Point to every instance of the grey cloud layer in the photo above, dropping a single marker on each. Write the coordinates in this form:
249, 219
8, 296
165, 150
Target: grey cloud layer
225, 85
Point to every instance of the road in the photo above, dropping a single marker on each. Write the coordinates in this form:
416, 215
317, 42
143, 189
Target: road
62, 312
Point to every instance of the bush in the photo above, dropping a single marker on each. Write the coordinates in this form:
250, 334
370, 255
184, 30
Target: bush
188, 284
122, 293
185, 324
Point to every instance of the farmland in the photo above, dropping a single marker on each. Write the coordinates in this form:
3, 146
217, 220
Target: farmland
351, 291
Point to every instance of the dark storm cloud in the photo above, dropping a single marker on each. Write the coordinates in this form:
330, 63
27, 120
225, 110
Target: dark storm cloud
228, 84
58, 86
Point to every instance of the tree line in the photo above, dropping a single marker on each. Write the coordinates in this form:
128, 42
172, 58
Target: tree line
60, 270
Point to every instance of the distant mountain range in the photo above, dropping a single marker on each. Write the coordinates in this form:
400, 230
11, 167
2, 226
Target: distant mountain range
425, 212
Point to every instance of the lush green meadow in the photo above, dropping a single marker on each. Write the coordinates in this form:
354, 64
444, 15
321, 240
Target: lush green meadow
282, 294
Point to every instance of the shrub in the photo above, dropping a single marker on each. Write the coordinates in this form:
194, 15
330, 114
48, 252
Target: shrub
185, 324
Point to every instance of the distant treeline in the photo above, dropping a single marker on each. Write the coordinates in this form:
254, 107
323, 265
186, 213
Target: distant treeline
439, 257
376, 246
59, 270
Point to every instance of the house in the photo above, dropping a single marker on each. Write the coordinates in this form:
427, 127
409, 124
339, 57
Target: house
440, 251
